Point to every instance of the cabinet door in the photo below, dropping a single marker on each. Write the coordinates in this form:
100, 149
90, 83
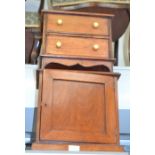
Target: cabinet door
78, 107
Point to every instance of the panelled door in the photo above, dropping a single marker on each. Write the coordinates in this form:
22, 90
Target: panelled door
78, 107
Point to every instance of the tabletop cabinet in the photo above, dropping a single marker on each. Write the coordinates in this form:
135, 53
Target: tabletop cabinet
77, 87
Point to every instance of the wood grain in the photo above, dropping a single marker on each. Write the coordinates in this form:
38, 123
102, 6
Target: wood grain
77, 24
76, 46
77, 97
70, 61
84, 119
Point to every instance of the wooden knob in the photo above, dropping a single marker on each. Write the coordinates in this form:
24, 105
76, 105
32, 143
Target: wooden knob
96, 47
58, 44
59, 22
95, 25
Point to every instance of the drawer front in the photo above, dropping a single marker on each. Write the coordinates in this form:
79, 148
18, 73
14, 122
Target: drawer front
77, 24
76, 46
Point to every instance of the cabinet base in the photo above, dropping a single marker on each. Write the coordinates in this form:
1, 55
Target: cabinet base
82, 147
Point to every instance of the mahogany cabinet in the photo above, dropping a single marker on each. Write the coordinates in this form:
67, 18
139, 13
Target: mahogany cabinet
77, 87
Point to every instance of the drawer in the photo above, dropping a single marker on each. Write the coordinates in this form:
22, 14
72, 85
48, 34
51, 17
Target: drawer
77, 46
77, 24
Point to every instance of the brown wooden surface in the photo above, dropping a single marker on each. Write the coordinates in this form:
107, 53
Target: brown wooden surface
36, 50
77, 100
77, 24
116, 108
77, 120
76, 46
29, 39
76, 13
83, 147
120, 21
39, 106
80, 40
85, 63
32, 45
121, 13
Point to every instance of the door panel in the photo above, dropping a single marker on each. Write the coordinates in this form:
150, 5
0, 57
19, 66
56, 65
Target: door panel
77, 107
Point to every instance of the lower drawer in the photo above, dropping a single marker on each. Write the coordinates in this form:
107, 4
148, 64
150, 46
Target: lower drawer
77, 46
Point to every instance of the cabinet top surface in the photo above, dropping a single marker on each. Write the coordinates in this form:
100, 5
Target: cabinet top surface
77, 13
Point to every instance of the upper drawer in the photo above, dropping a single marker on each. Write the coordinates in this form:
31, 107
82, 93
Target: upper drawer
77, 24
76, 46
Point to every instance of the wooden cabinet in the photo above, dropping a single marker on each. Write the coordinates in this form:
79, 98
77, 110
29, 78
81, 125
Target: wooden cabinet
77, 89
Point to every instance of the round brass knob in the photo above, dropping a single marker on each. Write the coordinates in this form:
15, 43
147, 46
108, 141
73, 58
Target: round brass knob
59, 22
95, 25
96, 47
58, 44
